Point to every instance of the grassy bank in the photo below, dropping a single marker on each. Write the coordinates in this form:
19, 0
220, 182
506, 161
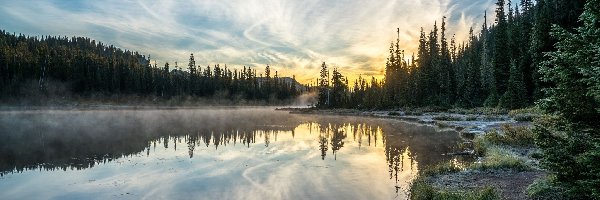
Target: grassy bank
506, 165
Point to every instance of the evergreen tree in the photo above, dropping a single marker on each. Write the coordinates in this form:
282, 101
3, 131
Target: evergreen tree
423, 72
338, 89
446, 72
571, 142
515, 95
324, 91
501, 58
88, 68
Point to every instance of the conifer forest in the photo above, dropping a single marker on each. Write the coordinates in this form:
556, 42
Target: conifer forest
285, 99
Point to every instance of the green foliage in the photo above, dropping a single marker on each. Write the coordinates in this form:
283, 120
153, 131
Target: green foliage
394, 114
525, 114
515, 95
500, 158
518, 136
530, 110
421, 190
334, 93
498, 68
441, 168
570, 141
480, 146
471, 118
324, 90
447, 118
479, 111
571, 154
548, 189
82, 67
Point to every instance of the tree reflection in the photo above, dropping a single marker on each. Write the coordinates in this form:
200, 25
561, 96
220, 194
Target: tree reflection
75, 146
191, 142
337, 140
323, 139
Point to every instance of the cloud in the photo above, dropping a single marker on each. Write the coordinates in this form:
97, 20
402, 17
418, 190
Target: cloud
292, 36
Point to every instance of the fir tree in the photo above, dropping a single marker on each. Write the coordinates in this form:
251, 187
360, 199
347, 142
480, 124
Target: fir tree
324, 93
571, 142
515, 95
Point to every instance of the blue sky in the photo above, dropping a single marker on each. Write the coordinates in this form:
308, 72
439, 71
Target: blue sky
292, 36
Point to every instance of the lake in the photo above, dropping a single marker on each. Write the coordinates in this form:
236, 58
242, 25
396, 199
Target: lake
212, 153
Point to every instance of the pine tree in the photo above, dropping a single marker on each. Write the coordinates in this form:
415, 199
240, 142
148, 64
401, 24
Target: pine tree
338, 89
424, 71
324, 93
515, 95
488, 78
501, 59
192, 65
571, 142
434, 62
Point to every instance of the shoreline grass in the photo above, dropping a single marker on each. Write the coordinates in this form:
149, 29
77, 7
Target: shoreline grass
495, 150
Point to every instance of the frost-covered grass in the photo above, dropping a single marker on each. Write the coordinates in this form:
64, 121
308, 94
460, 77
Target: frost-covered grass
447, 118
525, 114
547, 188
478, 111
500, 158
495, 149
421, 189
441, 168
520, 136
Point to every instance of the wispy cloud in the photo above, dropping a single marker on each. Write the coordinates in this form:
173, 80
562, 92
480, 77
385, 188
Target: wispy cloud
292, 36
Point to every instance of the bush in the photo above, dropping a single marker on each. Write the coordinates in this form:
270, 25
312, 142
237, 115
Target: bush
441, 168
471, 118
446, 118
500, 158
480, 145
394, 113
572, 153
518, 135
420, 189
524, 118
511, 135
547, 189
478, 111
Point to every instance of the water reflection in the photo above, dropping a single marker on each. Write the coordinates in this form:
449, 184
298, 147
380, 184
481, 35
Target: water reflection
79, 140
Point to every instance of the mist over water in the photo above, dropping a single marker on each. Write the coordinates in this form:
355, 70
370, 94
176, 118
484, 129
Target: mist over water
211, 153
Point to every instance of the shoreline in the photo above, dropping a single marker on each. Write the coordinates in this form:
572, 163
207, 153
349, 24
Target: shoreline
467, 124
472, 125
506, 173
96, 107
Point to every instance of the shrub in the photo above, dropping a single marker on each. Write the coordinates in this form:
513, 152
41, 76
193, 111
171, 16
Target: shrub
441, 168
446, 118
394, 113
480, 145
511, 135
518, 135
500, 158
421, 190
471, 118
547, 189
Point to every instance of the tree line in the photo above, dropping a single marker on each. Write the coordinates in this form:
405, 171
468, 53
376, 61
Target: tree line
498, 67
545, 54
32, 66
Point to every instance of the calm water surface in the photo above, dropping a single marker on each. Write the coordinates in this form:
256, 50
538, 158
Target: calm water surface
211, 153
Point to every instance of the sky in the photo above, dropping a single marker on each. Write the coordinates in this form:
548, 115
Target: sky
292, 36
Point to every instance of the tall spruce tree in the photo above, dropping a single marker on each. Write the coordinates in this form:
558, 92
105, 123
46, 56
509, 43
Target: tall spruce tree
501, 59
324, 90
571, 142
515, 95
